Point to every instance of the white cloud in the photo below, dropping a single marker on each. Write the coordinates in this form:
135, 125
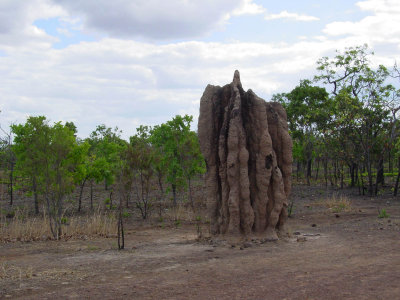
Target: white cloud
155, 19
126, 83
380, 6
16, 23
248, 7
290, 16
383, 26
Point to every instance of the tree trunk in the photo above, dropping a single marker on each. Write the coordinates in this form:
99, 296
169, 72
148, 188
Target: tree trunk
174, 194
80, 195
341, 177
353, 167
308, 171
190, 194
380, 178
111, 202
11, 184
317, 171
335, 171
326, 171
91, 194
396, 187
35, 196
121, 235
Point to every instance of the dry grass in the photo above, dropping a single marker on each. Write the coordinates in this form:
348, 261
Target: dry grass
27, 228
180, 213
338, 203
8, 271
12, 272
335, 203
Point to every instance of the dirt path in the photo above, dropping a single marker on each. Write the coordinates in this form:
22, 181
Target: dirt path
352, 255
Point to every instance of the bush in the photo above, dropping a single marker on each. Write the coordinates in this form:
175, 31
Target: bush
383, 214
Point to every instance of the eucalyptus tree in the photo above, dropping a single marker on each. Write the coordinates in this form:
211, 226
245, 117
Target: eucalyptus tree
363, 100
178, 152
307, 108
50, 156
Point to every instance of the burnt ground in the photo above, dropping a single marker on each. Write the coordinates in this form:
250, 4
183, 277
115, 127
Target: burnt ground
328, 255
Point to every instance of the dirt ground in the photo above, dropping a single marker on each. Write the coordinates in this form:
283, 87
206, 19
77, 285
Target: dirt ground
328, 255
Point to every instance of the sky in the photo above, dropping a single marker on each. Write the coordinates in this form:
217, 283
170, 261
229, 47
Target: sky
127, 63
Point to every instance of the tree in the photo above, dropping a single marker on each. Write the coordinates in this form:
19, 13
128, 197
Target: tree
105, 147
30, 142
55, 159
308, 110
192, 162
8, 160
364, 99
178, 153
141, 168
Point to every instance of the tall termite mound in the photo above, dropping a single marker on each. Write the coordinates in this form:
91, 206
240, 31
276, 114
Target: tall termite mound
248, 153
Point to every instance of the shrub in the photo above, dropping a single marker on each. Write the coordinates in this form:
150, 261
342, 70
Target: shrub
383, 214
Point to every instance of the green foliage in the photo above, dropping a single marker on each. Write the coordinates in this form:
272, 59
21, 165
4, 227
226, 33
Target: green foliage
178, 151
126, 214
106, 146
383, 214
49, 156
177, 223
353, 125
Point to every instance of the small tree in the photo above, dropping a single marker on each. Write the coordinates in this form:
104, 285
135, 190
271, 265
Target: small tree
176, 144
308, 110
57, 157
8, 160
140, 161
106, 145
30, 146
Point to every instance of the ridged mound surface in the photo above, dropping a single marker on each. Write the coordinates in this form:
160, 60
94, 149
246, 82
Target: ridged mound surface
248, 152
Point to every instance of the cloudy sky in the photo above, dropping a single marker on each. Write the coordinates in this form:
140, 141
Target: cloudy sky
130, 62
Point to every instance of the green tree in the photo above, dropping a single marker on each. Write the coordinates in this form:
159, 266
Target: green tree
7, 161
363, 100
104, 160
56, 158
30, 142
308, 111
175, 145
140, 161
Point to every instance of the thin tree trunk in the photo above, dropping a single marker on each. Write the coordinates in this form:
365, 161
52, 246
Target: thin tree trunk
35, 196
335, 172
308, 171
380, 178
91, 194
396, 187
111, 203
341, 177
362, 184
80, 195
317, 171
11, 184
174, 194
121, 235
190, 194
